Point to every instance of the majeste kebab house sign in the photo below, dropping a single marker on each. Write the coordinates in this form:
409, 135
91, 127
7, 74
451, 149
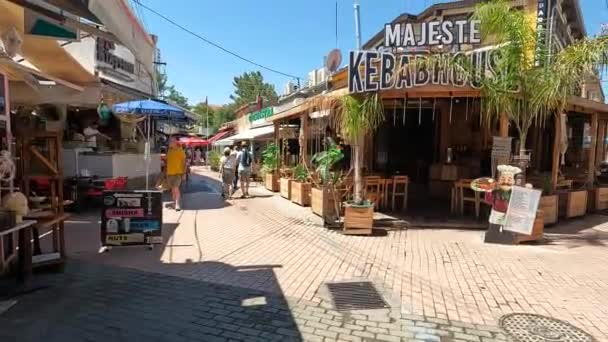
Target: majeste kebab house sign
382, 69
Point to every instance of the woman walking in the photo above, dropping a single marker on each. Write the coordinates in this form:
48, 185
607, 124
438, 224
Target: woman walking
227, 171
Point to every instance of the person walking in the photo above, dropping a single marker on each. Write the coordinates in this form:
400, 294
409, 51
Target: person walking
235, 153
227, 172
245, 161
176, 168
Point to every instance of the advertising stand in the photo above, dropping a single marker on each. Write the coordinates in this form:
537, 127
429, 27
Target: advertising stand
131, 218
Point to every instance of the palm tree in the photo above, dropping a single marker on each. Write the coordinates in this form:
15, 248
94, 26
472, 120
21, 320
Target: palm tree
355, 117
526, 86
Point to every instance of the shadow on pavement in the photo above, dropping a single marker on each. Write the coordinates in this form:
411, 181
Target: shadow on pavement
105, 303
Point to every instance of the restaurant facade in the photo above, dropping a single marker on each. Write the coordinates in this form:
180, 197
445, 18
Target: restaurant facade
433, 132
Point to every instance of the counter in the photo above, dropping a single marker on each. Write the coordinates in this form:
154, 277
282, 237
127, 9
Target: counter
111, 164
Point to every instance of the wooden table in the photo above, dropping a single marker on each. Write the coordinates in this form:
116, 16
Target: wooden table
25, 249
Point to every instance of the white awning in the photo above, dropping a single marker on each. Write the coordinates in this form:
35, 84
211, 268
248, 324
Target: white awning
120, 20
250, 134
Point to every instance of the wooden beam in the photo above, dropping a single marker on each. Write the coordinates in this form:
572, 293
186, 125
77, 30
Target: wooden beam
43, 159
591, 166
444, 129
556, 153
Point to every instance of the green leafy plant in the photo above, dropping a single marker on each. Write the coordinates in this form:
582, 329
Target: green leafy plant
270, 158
325, 161
355, 117
300, 173
214, 160
547, 185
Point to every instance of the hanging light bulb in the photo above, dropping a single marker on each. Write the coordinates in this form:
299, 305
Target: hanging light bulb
404, 108
434, 102
451, 105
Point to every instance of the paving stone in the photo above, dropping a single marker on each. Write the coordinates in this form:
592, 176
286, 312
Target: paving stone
478, 332
383, 337
350, 338
467, 337
317, 325
312, 337
364, 334
428, 337
366, 323
353, 326
426, 324
326, 333
340, 330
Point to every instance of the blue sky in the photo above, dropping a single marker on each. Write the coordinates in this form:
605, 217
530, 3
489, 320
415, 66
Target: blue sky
289, 35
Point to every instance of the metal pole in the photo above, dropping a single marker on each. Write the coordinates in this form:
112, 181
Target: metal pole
357, 24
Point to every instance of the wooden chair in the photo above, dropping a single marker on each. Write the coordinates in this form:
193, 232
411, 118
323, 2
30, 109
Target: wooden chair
459, 197
398, 181
373, 190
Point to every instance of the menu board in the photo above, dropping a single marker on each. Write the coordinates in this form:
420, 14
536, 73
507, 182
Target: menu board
131, 218
521, 211
501, 147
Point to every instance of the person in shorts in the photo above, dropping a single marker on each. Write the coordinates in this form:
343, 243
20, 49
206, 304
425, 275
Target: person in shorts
236, 149
227, 171
176, 168
245, 161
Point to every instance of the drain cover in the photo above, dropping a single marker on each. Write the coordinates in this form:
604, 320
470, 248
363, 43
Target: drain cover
524, 327
356, 296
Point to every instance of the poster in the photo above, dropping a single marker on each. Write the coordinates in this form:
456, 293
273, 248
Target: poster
521, 211
131, 218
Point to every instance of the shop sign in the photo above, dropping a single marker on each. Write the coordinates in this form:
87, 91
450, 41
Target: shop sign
375, 70
131, 218
105, 55
261, 114
541, 30
521, 211
446, 32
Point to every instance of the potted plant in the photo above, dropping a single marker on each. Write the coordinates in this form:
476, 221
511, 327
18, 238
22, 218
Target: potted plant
300, 186
356, 117
270, 163
324, 201
549, 202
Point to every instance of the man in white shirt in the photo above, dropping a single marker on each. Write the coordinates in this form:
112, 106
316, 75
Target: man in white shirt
245, 161
91, 133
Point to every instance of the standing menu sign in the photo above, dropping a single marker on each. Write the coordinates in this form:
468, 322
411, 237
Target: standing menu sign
521, 212
131, 218
501, 152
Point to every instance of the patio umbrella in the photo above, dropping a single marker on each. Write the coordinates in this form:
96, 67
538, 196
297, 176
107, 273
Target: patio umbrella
149, 108
193, 141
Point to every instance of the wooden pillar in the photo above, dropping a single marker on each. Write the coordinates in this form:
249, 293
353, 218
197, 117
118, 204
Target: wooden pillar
444, 130
304, 134
591, 166
277, 141
556, 152
503, 130
601, 138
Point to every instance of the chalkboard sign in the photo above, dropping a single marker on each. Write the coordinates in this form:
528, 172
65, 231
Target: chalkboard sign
521, 211
131, 218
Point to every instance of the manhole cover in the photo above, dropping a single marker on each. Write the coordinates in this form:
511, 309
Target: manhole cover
524, 327
356, 296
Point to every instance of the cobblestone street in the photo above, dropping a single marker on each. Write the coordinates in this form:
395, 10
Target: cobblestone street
257, 268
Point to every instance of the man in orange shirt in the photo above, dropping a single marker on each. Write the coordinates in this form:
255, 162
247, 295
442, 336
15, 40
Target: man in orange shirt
176, 168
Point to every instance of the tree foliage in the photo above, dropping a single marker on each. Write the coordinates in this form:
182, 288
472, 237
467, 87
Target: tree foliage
249, 85
175, 96
529, 82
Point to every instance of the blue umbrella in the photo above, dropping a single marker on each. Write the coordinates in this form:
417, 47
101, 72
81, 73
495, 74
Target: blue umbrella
150, 108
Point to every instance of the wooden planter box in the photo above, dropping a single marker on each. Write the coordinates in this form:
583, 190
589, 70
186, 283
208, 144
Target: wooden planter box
300, 193
271, 181
601, 198
573, 203
322, 202
537, 230
285, 188
549, 206
358, 220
